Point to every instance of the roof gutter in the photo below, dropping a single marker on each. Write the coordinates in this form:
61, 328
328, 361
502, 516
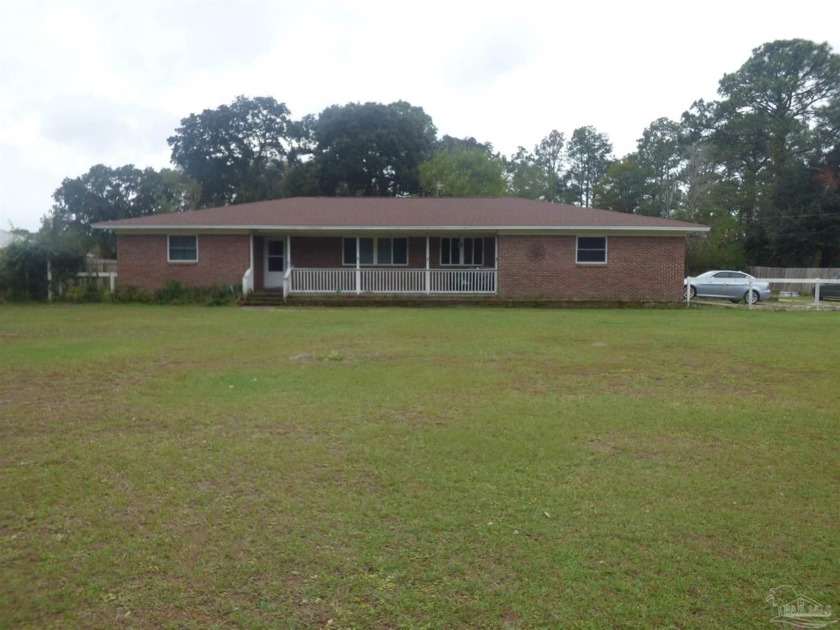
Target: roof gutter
503, 229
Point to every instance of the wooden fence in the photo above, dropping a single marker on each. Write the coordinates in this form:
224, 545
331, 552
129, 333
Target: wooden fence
100, 265
823, 273
101, 271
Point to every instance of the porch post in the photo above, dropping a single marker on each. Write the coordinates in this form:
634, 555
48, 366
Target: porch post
428, 273
496, 265
49, 281
253, 272
358, 267
288, 261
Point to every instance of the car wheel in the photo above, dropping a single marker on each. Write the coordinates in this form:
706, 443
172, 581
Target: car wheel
690, 290
752, 297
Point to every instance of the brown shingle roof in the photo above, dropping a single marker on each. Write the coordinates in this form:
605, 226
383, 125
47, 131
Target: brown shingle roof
377, 213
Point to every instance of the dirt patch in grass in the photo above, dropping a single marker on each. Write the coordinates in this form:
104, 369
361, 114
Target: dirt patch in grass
596, 446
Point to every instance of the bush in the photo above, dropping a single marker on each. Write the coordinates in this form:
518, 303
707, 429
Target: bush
172, 293
84, 290
23, 271
176, 293
131, 294
24, 264
220, 296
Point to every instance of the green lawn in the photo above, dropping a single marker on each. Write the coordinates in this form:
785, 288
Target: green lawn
194, 467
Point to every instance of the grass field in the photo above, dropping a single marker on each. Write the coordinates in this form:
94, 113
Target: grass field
193, 467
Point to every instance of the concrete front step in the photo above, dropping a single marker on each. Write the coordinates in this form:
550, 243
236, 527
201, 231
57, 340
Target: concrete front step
264, 299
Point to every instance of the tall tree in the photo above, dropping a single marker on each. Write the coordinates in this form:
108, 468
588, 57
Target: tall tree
800, 221
538, 174
659, 156
549, 156
588, 156
783, 84
623, 186
711, 199
302, 179
525, 177
106, 194
450, 142
372, 149
237, 152
766, 136
462, 172
698, 176
827, 183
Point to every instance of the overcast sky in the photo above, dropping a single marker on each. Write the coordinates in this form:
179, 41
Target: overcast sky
88, 82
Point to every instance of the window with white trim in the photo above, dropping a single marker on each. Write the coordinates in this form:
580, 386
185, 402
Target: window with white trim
592, 250
462, 251
375, 251
182, 248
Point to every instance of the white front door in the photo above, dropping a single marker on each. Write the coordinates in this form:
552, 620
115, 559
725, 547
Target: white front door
275, 262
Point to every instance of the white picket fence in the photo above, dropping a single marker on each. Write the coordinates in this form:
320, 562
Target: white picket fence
817, 283
790, 277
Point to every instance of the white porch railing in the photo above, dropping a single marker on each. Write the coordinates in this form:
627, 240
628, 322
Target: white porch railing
392, 281
473, 281
248, 281
321, 280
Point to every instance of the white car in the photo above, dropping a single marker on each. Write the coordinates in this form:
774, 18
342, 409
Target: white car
732, 285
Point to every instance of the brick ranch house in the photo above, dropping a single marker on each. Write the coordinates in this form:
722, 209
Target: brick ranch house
503, 249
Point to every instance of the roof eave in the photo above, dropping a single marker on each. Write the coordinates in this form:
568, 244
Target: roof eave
501, 229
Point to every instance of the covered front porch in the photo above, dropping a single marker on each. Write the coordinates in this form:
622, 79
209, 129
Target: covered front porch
382, 265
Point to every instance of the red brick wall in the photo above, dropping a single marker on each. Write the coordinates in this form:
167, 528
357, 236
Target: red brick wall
142, 260
417, 252
316, 251
639, 268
